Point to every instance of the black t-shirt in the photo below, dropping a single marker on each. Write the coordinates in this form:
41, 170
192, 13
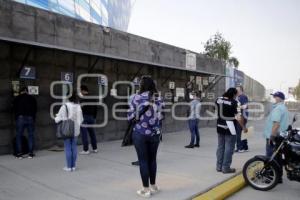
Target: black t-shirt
25, 105
227, 109
90, 110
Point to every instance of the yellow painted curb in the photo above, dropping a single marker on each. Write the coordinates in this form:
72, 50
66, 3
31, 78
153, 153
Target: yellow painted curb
224, 190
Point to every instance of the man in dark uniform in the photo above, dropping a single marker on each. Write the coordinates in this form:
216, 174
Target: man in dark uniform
226, 128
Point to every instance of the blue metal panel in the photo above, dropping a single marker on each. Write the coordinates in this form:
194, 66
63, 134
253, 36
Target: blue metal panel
112, 13
44, 4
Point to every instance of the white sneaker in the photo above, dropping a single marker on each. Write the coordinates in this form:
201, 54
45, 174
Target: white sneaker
67, 169
73, 169
241, 151
144, 193
154, 189
95, 151
84, 152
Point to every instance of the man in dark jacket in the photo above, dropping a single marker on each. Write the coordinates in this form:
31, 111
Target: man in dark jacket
242, 145
89, 119
25, 108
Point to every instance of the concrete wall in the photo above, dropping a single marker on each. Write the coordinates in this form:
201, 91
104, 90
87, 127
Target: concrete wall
50, 63
254, 89
20, 21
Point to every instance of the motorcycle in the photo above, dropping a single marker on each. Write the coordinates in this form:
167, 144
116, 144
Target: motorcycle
264, 173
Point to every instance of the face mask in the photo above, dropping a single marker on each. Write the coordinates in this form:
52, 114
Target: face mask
273, 101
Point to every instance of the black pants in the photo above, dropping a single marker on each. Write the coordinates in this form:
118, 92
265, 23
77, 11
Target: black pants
270, 148
146, 148
240, 144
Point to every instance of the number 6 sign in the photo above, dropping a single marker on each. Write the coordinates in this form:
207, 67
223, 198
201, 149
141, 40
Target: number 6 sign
67, 76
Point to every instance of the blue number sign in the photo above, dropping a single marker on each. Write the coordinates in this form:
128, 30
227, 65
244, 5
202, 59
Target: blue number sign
67, 76
28, 73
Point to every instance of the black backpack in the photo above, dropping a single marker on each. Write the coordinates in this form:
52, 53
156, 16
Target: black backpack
25, 149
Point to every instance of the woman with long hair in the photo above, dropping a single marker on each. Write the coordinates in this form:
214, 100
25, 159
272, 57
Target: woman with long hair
71, 110
145, 112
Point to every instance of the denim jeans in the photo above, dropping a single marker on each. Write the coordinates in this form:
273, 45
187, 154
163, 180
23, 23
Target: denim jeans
22, 123
85, 131
269, 148
240, 144
195, 137
226, 143
146, 148
71, 151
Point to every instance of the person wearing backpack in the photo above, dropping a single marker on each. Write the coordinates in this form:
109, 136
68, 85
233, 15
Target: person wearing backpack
144, 112
70, 118
25, 108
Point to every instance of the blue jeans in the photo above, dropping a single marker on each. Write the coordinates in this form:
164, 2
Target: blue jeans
22, 123
195, 137
226, 143
71, 151
240, 144
85, 131
146, 148
269, 148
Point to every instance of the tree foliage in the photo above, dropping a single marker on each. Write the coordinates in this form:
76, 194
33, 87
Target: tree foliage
234, 61
297, 91
218, 47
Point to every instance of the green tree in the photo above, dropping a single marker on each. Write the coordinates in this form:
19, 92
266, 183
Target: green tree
297, 91
234, 61
218, 47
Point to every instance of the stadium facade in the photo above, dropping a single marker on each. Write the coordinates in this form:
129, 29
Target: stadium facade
40, 47
111, 13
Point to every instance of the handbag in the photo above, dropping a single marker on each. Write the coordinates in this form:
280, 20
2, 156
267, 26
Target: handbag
127, 139
66, 128
156, 131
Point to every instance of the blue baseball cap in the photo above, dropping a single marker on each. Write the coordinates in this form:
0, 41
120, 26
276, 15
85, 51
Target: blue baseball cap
279, 94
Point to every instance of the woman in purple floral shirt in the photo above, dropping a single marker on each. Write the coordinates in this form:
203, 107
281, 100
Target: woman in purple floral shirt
145, 109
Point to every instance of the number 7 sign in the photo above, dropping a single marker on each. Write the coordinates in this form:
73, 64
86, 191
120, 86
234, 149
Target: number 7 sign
28, 72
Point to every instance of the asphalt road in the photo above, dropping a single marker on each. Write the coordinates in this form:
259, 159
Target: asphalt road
287, 191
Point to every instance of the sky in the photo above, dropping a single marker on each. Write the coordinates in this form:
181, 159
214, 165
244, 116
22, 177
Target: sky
265, 34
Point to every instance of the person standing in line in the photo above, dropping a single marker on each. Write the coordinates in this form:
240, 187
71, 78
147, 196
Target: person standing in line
89, 119
194, 116
144, 110
242, 145
71, 110
276, 122
226, 129
25, 108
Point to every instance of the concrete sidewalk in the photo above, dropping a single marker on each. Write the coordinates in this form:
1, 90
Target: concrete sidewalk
109, 175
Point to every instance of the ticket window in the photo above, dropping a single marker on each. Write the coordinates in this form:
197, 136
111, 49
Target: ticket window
27, 79
172, 91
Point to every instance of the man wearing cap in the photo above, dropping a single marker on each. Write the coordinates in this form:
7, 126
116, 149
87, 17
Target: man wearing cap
277, 122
